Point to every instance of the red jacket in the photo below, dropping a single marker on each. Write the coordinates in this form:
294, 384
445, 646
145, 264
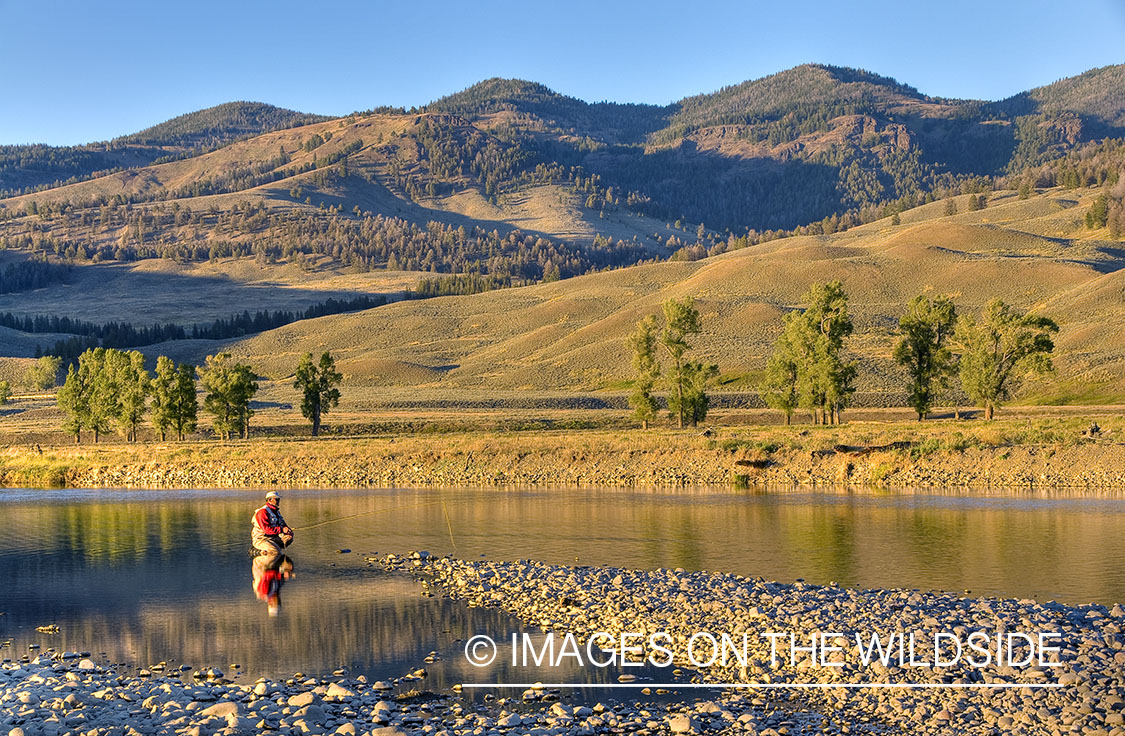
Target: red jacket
268, 519
269, 584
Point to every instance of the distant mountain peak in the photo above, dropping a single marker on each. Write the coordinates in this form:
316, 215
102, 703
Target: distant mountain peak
221, 124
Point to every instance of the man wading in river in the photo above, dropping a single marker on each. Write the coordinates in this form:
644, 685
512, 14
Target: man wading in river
270, 534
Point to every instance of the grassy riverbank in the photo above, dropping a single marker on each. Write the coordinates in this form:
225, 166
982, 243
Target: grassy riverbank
1014, 452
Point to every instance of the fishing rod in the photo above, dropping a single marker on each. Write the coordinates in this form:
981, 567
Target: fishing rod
444, 508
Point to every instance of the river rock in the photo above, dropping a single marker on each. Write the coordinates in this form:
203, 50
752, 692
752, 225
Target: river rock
302, 699
222, 710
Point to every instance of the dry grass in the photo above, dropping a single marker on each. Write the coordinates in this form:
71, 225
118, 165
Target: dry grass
570, 335
609, 454
159, 290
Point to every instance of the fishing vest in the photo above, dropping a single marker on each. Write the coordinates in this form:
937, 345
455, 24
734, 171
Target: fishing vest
273, 518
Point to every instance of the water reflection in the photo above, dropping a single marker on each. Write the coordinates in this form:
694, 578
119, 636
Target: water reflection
270, 572
149, 576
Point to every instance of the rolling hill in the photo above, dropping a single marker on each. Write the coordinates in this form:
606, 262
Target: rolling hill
570, 335
741, 197
33, 166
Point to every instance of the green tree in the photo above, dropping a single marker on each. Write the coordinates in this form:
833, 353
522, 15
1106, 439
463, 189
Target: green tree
950, 206
998, 349
781, 383
923, 349
102, 406
74, 401
643, 344
1098, 214
825, 381
317, 384
186, 405
807, 368
695, 401
43, 375
164, 387
681, 320
132, 386
230, 387
5, 392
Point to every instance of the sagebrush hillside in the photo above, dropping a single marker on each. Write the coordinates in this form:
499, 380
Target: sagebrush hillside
24, 167
546, 225
570, 335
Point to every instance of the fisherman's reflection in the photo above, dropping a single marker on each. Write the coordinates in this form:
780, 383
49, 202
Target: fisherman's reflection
270, 573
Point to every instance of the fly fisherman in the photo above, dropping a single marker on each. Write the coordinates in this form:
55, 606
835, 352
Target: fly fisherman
270, 534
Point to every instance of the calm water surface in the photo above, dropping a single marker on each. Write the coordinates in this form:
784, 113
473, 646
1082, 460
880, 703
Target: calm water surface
140, 577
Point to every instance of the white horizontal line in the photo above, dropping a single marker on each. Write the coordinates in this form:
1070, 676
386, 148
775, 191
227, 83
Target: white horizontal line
765, 685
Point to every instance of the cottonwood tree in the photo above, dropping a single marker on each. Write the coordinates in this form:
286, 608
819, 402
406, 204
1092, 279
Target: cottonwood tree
43, 375
807, 368
923, 349
73, 400
185, 405
681, 320
102, 406
88, 399
643, 344
779, 385
174, 403
999, 349
163, 390
318, 386
230, 386
695, 403
132, 385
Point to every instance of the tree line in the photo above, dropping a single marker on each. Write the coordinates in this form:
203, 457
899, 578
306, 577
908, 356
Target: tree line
126, 335
34, 273
990, 353
358, 240
110, 389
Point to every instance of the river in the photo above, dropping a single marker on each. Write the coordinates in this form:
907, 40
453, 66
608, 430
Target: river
139, 577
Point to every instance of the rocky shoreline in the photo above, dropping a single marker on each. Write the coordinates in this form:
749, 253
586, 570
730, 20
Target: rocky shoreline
561, 459
59, 693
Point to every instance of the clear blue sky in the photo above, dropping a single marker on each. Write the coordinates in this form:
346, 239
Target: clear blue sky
81, 71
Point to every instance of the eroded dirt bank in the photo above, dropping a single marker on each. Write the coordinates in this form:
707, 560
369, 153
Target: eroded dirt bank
1023, 456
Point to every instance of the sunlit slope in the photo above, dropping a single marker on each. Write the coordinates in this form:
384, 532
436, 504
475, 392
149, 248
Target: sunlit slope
371, 156
570, 334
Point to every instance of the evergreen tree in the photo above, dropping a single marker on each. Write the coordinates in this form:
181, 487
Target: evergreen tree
317, 384
5, 392
923, 349
1098, 214
681, 319
643, 344
999, 349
